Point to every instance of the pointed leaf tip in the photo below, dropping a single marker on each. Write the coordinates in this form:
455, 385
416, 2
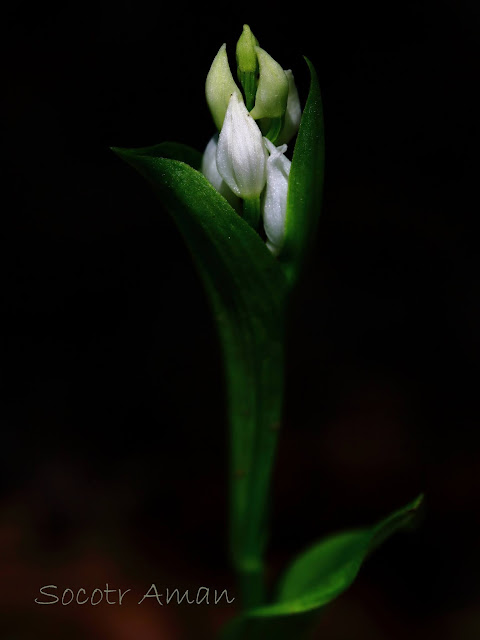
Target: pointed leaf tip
322, 573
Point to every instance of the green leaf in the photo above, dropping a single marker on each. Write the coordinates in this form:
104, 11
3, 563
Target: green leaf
247, 290
305, 184
317, 576
172, 150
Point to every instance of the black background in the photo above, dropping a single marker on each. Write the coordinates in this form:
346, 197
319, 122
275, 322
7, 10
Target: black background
113, 437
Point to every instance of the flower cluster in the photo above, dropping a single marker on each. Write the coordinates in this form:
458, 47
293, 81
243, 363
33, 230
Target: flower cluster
246, 160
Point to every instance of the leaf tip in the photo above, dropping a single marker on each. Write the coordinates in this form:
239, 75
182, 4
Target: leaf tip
417, 503
120, 151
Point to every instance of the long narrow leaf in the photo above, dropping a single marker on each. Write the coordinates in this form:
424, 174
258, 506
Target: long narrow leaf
305, 184
247, 291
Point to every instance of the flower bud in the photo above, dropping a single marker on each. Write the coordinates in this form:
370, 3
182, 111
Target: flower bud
210, 171
275, 201
247, 65
246, 54
241, 153
219, 86
272, 90
293, 113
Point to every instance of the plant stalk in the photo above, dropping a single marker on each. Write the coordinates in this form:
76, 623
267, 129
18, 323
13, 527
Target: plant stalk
251, 212
255, 407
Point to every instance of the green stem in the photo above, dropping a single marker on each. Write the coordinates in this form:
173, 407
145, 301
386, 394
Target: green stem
276, 126
251, 212
248, 80
251, 584
254, 369
254, 438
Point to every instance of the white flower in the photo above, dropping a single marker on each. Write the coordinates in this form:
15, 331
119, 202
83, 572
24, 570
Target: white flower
210, 171
275, 200
241, 153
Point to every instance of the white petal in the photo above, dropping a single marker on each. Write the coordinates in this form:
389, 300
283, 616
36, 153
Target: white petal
275, 201
210, 171
241, 154
209, 163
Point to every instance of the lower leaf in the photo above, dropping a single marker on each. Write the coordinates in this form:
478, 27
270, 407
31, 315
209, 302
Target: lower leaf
316, 577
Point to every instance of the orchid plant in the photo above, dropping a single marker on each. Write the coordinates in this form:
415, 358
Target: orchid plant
248, 214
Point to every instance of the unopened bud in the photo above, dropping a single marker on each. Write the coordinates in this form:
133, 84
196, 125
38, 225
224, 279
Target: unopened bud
246, 54
293, 113
247, 65
272, 90
210, 171
275, 201
241, 153
219, 86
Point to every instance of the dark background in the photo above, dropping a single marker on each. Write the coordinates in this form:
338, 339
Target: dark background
113, 438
